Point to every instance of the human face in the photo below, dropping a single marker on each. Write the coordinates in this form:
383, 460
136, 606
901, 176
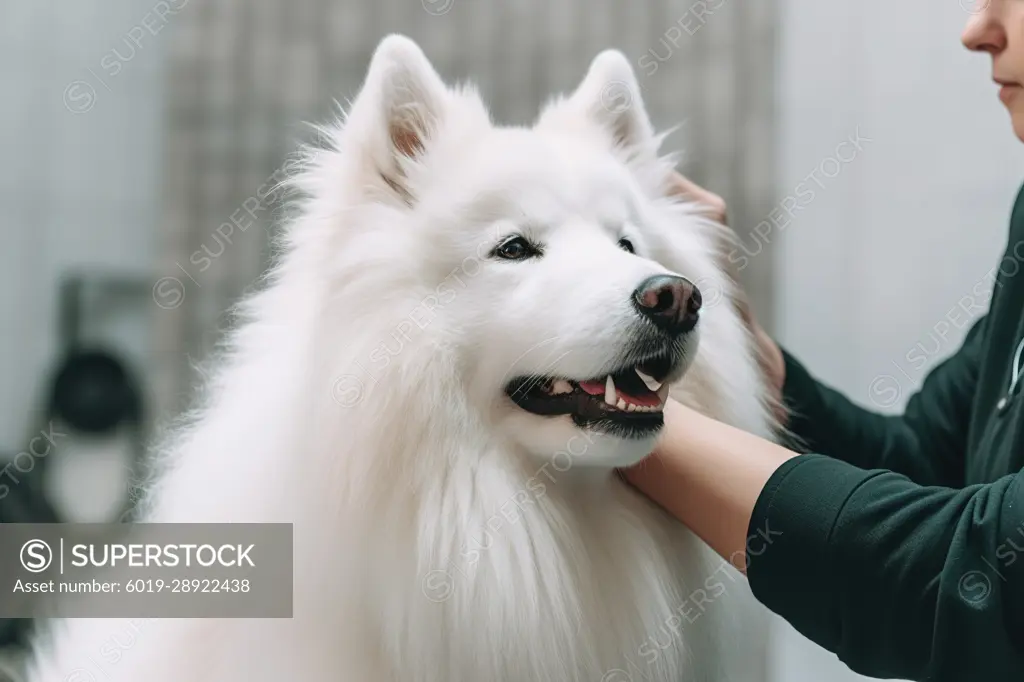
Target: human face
997, 27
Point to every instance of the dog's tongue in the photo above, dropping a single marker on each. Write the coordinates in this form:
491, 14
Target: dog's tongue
593, 387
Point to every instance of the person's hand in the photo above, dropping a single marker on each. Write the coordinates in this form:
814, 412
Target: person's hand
769, 354
712, 205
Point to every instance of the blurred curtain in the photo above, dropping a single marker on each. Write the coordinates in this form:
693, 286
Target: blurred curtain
245, 74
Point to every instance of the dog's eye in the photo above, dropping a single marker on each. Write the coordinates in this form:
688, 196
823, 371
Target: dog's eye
626, 245
516, 248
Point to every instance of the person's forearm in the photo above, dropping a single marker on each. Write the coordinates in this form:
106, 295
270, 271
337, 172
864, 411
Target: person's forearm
709, 475
899, 580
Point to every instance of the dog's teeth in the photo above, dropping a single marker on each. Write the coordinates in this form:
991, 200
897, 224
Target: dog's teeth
652, 384
621, 404
631, 408
663, 393
561, 386
610, 396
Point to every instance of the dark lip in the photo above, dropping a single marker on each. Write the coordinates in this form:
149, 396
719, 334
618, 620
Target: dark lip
591, 412
1006, 83
576, 404
632, 428
667, 357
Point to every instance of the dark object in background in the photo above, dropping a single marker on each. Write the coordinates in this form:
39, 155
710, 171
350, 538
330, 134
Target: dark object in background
93, 392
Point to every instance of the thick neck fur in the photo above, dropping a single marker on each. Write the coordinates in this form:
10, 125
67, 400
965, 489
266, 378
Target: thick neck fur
506, 555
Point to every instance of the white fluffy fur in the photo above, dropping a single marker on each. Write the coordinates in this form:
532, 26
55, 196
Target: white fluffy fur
442, 534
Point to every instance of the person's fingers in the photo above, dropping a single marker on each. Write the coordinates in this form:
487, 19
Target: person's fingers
712, 204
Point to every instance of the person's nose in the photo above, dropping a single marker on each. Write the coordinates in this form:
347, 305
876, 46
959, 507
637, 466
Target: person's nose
984, 31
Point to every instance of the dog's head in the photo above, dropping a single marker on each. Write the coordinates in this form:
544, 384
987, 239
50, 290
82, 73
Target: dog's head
529, 262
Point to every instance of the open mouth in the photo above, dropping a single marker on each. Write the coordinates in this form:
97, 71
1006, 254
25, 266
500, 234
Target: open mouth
627, 402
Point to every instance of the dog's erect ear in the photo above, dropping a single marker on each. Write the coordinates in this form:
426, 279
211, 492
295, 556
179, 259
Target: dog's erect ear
398, 111
610, 95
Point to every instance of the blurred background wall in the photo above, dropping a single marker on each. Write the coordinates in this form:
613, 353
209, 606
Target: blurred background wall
133, 131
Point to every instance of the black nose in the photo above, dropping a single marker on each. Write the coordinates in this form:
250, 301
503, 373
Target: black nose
672, 303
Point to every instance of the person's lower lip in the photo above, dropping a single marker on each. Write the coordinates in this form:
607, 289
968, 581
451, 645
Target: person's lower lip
1007, 92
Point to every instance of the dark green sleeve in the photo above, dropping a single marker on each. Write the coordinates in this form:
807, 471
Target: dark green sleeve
925, 443
897, 579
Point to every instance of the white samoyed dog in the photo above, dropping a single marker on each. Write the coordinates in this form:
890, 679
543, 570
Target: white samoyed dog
469, 329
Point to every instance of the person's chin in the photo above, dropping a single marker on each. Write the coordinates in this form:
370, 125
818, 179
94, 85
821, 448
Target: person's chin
1017, 120
1015, 107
